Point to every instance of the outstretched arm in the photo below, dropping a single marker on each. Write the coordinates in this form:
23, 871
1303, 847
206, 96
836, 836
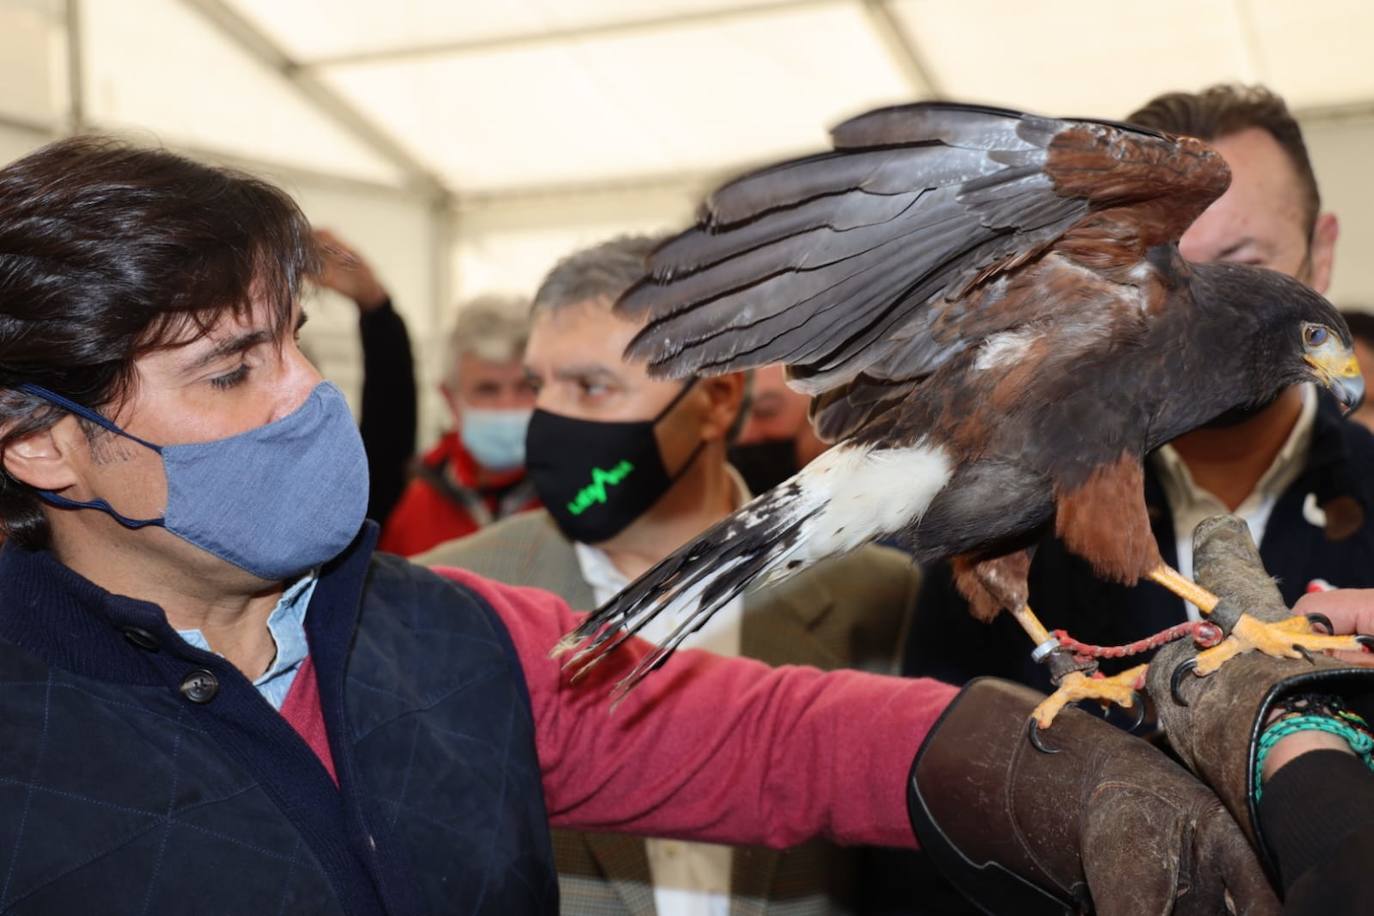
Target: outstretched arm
723, 750
729, 750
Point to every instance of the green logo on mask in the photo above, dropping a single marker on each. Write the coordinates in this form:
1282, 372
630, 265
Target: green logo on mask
595, 492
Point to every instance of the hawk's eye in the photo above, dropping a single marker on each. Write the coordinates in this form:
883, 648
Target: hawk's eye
1314, 335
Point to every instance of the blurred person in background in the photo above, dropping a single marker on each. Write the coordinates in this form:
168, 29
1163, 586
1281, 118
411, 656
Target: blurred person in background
777, 440
389, 406
629, 468
1362, 329
475, 474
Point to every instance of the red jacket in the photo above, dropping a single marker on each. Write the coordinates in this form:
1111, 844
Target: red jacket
721, 750
433, 510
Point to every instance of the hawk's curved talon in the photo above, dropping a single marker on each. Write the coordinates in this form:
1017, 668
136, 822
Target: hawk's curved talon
1139, 702
1176, 679
1037, 740
1366, 641
1316, 620
1305, 654
1075, 687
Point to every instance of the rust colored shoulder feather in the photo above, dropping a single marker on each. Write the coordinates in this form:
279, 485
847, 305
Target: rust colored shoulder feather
1143, 190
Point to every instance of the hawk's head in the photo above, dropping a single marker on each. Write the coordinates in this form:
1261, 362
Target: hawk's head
1297, 335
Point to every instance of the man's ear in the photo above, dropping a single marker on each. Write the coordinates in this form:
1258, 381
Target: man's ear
42, 459
1322, 252
725, 394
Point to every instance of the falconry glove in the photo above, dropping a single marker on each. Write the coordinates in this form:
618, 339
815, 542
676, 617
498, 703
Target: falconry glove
1107, 824
1222, 725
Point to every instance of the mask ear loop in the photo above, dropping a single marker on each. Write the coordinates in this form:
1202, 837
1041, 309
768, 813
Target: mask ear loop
677, 398
86, 413
686, 465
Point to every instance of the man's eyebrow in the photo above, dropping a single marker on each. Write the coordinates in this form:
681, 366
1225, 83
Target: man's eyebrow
239, 343
567, 373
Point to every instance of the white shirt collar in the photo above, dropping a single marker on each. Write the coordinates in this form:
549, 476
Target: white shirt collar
1181, 489
1189, 504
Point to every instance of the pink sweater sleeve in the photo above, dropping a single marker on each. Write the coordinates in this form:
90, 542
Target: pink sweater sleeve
717, 749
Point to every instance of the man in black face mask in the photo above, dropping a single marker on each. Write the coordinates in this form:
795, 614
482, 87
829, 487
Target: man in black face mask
630, 468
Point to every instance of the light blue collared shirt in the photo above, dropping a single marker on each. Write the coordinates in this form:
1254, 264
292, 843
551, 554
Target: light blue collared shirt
286, 624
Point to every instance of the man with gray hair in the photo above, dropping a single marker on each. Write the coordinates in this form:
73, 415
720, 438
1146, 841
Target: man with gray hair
475, 474
629, 468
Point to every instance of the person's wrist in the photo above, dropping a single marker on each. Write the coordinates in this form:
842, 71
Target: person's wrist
1291, 747
371, 299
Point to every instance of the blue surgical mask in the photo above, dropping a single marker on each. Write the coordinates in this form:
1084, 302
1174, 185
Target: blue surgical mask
496, 438
275, 501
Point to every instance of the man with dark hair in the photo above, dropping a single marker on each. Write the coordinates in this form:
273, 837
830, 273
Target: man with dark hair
216, 695
1293, 469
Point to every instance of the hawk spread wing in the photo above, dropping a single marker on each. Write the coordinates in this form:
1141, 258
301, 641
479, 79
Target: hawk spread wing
993, 313
856, 267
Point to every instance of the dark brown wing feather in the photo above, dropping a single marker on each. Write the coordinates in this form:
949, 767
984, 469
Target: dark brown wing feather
854, 267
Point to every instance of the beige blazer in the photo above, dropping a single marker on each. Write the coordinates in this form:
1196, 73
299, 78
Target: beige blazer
850, 612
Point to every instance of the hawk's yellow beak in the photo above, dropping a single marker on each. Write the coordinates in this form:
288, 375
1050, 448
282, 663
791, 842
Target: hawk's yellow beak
1339, 371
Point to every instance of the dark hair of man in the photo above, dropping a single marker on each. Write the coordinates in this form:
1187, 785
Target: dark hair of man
1220, 111
1361, 324
110, 251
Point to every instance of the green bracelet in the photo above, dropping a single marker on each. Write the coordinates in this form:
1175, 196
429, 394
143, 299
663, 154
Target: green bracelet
1360, 741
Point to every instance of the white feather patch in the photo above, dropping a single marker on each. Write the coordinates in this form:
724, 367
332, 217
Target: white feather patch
867, 493
1004, 349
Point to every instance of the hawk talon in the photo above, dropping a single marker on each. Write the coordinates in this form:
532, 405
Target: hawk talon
1176, 679
1033, 732
1315, 620
1138, 701
1302, 650
1036, 734
1366, 641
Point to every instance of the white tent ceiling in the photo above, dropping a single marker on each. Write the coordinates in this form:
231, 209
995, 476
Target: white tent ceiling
465, 145
492, 99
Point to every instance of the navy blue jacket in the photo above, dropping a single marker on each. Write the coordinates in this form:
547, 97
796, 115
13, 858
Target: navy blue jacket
946, 643
141, 776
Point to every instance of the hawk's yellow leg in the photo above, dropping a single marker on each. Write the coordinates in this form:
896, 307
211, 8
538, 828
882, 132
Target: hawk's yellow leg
1076, 686
1283, 639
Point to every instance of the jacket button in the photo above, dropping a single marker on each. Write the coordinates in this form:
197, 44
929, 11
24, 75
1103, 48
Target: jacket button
200, 686
141, 638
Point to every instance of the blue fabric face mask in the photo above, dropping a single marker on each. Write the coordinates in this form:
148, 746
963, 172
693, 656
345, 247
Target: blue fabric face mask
496, 438
274, 501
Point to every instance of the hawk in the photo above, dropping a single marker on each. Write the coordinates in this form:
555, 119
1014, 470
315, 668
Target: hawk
991, 313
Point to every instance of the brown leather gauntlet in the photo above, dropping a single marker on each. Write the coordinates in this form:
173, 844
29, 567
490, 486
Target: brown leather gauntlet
1214, 723
1107, 825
